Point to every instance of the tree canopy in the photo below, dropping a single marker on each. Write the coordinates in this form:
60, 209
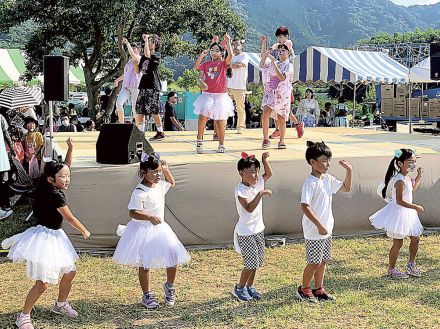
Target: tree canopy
91, 32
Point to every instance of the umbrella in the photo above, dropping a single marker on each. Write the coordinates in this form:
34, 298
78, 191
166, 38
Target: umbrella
20, 96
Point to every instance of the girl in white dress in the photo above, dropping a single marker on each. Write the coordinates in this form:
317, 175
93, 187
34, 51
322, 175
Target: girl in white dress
399, 217
308, 109
148, 242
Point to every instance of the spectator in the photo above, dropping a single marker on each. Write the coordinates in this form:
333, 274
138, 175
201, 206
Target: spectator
32, 141
66, 126
325, 117
77, 124
170, 122
90, 126
308, 109
341, 115
71, 109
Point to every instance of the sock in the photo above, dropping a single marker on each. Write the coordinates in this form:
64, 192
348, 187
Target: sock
59, 304
160, 129
169, 285
25, 314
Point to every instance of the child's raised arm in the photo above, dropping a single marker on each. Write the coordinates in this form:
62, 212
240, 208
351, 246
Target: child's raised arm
147, 52
348, 175
167, 173
228, 59
200, 59
267, 167
418, 178
69, 154
72, 220
135, 57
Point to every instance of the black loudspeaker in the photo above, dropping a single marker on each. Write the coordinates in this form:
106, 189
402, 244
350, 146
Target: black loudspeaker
120, 143
56, 78
435, 60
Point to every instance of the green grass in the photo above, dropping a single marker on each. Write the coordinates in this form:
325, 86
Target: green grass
107, 295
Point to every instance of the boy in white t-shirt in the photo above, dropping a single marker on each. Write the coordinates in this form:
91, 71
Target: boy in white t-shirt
318, 221
249, 230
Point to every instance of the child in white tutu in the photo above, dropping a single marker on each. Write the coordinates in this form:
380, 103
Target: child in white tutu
46, 249
399, 217
148, 242
214, 102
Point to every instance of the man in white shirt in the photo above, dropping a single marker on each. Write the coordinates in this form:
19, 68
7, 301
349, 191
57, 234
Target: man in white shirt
237, 83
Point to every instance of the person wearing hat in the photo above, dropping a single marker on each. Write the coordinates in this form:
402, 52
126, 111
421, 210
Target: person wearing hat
32, 141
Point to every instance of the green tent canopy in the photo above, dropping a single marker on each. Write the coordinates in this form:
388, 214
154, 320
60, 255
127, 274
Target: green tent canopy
12, 66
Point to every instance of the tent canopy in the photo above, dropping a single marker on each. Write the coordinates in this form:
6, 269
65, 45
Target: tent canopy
12, 66
422, 72
332, 65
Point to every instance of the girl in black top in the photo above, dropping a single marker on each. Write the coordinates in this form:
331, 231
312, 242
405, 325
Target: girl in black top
46, 249
147, 102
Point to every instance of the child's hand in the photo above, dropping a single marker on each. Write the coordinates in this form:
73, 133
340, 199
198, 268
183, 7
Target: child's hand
265, 155
420, 171
124, 41
322, 230
86, 234
164, 165
227, 38
266, 192
155, 220
204, 53
69, 143
263, 38
145, 37
346, 165
419, 208
275, 46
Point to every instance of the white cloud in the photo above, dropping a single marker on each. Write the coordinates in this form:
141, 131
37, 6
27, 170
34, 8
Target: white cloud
414, 2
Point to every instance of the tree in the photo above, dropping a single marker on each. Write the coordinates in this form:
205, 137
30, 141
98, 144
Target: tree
91, 32
188, 80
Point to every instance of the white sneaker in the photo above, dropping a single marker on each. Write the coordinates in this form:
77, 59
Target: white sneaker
5, 213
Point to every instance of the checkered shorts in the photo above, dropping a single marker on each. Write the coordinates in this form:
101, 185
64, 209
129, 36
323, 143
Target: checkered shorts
318, 250
148, 102
252, 250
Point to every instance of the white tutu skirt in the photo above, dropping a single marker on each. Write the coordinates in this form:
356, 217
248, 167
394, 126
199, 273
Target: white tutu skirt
216, 106
150, 246
399, 222
48, 253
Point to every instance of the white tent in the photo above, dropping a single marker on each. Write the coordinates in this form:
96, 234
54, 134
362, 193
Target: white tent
422, 72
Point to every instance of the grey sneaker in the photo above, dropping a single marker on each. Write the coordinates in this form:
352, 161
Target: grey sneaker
253, 293
65, 309
169, 295
241, 294
396, 274
149, 301
5, 213
413, 270
199, 147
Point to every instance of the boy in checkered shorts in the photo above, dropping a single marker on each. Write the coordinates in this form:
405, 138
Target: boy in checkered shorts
317, 222
249, 231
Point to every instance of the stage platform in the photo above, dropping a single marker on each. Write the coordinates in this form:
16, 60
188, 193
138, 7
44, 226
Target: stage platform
201, 209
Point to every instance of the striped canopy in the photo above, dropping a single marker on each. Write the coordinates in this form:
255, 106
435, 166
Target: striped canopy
12, 66
332, 65
13, 98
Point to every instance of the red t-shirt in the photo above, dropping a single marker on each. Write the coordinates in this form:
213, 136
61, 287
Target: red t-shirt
215, 76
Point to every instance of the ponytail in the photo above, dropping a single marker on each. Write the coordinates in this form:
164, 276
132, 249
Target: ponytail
390, 173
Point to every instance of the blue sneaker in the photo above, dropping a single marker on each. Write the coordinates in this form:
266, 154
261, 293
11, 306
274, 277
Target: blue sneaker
253, 293
241, 294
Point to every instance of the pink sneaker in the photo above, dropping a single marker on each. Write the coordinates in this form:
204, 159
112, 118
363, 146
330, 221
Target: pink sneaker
396, 274
266, 144
24, 321
65, 309
300, 129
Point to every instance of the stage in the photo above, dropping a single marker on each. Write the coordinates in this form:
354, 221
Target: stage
201, 208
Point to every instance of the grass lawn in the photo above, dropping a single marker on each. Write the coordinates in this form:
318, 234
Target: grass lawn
107, 295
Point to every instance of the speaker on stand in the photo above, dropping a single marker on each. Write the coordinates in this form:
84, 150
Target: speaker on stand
56, 86
120, 143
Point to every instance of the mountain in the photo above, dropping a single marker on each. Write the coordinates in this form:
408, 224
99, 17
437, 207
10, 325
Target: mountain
336, 23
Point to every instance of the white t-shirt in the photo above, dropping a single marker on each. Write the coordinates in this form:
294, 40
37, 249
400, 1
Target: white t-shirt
150, 201
239, 76
249, 223
317, 193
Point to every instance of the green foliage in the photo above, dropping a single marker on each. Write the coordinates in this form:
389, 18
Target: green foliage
256, 98
417, 36
90, 32
165, 73
188, 80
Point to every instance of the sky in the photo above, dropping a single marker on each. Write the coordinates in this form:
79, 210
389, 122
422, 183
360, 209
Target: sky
414, 2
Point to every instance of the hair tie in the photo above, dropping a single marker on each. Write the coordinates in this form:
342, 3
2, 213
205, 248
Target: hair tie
397, 153
282, 28
244, 155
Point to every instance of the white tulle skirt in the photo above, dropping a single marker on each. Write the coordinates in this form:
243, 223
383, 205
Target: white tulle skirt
150, 246
48, 253
399, 222
216, 106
